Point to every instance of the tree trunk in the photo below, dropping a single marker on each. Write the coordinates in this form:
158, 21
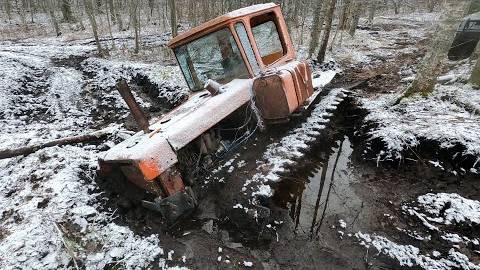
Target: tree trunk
326, 35
475, 76
433, 61
136, 25
108, 14
67, 11
151, 6
173, 17
91, 17
111, 9
118, 16
21, 11
317, 26
372, 5
355, 18
96, 135
8, 10
31, 6
395, 6
344, 17
51, 12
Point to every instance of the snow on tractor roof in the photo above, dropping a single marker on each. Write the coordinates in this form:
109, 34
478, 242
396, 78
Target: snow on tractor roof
205, 27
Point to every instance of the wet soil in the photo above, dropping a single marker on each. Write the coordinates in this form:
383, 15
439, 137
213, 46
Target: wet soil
333, 184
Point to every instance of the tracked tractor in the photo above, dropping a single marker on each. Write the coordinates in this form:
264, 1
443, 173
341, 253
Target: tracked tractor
243, 76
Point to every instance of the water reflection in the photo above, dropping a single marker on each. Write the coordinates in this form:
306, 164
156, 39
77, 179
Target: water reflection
327, 190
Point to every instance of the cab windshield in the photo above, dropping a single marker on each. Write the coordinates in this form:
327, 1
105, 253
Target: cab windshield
215, 56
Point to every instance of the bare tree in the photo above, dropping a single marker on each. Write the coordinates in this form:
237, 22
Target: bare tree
67, 11
372, 5
475, 76
356, 11
117, 7
326, 34
8, 9
109, 24
51, 13
93, 23
111, 10
433, 61
173, 17
136, 24
317, 23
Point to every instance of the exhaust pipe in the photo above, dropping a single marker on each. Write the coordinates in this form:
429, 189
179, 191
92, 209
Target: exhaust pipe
138, 114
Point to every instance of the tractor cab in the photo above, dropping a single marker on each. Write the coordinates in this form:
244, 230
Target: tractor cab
239, 44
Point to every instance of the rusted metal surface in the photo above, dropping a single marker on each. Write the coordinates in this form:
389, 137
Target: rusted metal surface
280, 85
282, 90
214, 24
154, 154
137, 113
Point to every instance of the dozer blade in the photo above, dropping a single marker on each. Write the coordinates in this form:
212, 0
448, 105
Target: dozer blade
175, 206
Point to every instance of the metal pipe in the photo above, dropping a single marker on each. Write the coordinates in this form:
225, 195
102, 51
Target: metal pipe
137, 113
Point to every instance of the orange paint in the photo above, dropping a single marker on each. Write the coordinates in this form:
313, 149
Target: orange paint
149, 169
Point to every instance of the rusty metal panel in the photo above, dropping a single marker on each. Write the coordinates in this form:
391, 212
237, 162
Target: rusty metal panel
182, 129
275, 95
223, 20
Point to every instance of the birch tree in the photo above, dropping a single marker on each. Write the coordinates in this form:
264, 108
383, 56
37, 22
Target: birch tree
433, 62
326, 34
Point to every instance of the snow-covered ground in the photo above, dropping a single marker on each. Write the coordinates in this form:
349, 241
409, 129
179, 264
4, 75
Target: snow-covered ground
51, 213
436, 211
448, 116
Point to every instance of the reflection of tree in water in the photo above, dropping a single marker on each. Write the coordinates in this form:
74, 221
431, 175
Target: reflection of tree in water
290, 192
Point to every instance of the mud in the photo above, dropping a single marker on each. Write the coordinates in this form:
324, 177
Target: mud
310, 222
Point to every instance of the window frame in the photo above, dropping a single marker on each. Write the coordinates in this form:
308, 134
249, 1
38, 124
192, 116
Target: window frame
255, 67
275, 20
232, 31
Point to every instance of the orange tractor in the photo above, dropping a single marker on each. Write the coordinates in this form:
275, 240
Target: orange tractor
242, 73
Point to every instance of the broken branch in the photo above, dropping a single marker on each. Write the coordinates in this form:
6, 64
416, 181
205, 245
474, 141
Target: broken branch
96, 135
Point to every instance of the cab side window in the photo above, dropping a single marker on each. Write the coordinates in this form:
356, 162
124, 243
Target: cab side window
267, 38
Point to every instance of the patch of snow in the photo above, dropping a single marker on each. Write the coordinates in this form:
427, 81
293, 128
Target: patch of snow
408, 255
247, 264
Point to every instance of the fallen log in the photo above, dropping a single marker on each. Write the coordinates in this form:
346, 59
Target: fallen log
96, 135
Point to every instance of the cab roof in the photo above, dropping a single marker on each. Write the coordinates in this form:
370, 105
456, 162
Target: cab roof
205, 27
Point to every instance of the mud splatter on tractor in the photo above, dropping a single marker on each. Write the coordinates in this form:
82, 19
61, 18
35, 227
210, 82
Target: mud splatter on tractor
242, 71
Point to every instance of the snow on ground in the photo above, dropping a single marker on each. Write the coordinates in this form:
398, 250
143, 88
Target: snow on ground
444, 117
447, 208
408, 255
437, 211
52, 208
279, 155
386, 33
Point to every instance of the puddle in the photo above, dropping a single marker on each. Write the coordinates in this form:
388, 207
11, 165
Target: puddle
328, 190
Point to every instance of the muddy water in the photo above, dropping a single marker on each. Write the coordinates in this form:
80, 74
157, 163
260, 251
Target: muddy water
328, 191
